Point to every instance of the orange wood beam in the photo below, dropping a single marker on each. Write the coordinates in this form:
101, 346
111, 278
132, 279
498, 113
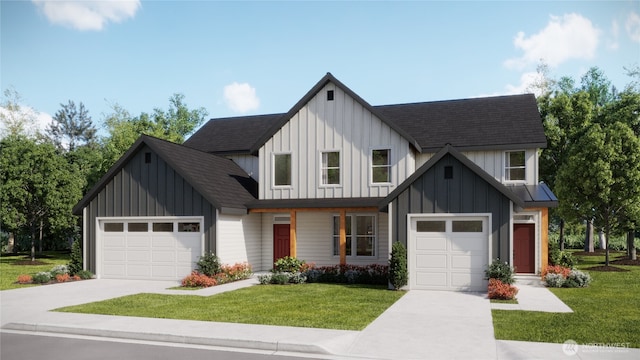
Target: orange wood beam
343, 237
544, 237
293, 246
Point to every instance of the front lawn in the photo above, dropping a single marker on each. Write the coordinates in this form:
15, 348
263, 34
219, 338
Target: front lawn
327, 306
13, 265
608, 311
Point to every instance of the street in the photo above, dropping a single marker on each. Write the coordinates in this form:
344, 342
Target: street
20, 346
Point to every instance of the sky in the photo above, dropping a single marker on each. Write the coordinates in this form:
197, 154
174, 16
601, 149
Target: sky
238, 58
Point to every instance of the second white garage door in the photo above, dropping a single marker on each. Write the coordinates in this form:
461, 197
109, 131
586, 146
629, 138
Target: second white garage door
152, 249
448, 253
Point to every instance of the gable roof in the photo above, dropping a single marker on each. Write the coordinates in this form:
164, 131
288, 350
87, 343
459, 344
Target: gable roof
501, 122
219, 180
496, 123
448, 149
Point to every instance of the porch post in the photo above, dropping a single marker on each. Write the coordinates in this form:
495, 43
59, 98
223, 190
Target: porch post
544, 237
292, 234
343, 237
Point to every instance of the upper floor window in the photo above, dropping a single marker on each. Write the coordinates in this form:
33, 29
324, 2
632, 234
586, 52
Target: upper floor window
514, 166
282, 169
362, 242
381, 166
330, 168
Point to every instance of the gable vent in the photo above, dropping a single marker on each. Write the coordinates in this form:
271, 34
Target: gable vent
448, 172
329, 95
147, 158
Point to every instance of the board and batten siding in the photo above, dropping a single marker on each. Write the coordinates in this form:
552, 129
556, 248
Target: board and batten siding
342, 125
240, 239
146, 189
466, 192
493, 162
248, 163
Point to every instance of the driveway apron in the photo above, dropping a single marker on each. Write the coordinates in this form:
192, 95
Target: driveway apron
431, 325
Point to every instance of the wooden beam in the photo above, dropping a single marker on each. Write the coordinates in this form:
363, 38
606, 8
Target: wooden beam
343, 237
544, 236
288, 210
292, 234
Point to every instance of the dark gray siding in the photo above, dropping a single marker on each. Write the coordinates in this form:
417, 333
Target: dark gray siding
152, 189
466, 192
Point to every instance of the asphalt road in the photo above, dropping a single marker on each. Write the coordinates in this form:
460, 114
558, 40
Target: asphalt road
31, 347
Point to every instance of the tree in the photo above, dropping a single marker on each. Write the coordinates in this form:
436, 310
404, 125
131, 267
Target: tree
15, 118
601, 179
71, 127
38, 187
173, 125
398, 275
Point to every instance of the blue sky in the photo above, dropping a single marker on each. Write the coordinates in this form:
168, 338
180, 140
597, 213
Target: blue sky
241, 57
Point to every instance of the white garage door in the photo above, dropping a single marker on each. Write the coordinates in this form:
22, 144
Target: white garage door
154, 249
448, 253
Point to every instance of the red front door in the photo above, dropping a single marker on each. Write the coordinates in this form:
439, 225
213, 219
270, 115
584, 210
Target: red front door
281, 241
524, 245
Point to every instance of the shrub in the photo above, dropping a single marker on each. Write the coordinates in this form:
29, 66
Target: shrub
238, 271
279, 278
554, 280
209, 264
63, 277
398, 274
282, 278
556, 269
562, 258
502, 291
84, 274
264, 279
288, 264
25, 279
59, 270
580, 278
196, 279
75, 262
42, 277
349, 274
501, 271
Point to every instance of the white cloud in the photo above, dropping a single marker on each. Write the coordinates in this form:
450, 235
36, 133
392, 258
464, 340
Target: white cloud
530, 82
34, 122
615, 33
568, 37
87, 14
241, 97
633, 26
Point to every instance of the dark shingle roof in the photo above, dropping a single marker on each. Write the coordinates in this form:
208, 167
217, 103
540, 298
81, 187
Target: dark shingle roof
502, 122
498, 123
219, 180
236, 135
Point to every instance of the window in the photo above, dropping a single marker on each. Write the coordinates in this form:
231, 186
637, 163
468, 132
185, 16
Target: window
514, 166
282, 169
431, 226
381, 166
360, 243
113, 227
138, 227
163, 227
331, 168
188, 227
466, 226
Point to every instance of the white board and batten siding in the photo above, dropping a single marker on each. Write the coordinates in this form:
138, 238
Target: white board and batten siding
339, 125
239, 239
493, 162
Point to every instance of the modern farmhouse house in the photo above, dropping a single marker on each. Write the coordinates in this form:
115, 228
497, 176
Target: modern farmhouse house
334, 180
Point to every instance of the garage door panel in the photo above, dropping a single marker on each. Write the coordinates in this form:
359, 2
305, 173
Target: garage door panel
186, 257
163, 256
164, 271
431, 243
432, 279
117, 270
138, 241
431, 261
164, 240
111, 241
138, 255
468, 244
114, 255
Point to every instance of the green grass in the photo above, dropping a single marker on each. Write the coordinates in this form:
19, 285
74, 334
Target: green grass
498, 301
325, 306
608, 311
9, 268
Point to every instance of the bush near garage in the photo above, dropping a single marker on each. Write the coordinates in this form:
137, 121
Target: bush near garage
501, 291
211, 273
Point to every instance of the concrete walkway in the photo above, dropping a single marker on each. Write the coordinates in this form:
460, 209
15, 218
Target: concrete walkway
421, 325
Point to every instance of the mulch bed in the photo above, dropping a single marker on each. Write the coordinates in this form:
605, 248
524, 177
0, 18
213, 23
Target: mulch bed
596, 252
626, 262
607, 269
29, 262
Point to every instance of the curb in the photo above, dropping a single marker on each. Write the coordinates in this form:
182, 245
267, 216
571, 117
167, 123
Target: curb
274, 346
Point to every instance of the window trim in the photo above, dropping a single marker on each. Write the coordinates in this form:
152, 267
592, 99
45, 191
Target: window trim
273, 170
354, 236
322, 168
390, 166
506, 169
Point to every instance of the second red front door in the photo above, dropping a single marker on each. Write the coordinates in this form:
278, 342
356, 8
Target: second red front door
281, 241
524, 248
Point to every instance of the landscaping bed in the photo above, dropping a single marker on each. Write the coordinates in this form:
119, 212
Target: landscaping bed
14, 265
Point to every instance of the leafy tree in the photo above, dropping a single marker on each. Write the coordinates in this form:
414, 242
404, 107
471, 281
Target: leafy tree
38, 187
15, 118
601, 179
124, 129
71, 127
